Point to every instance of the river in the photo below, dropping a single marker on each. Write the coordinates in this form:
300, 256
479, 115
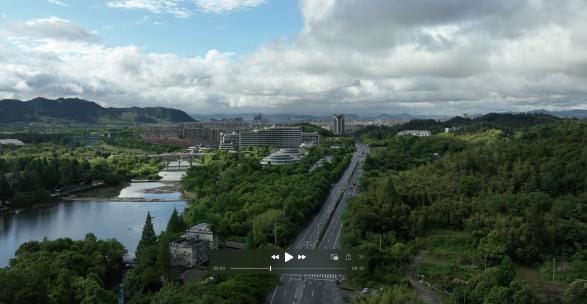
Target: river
107, 217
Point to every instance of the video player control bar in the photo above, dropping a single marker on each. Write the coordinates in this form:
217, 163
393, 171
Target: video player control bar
288, 261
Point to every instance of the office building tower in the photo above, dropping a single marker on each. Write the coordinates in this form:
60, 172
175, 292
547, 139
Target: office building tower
337, 124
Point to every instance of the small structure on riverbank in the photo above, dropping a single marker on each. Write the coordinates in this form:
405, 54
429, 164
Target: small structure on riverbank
417, 133
10, 141
191, 249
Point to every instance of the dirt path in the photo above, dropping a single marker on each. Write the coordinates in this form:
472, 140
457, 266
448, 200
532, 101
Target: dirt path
422, 291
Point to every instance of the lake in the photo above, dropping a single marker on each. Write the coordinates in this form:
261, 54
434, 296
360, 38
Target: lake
106, 218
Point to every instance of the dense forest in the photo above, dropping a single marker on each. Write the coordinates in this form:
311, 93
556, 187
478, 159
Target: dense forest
485, 208
133, 141
63, 271
506, 123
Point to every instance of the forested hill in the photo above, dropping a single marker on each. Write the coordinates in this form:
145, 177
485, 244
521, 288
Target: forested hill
83, 111
496, 217
508, 123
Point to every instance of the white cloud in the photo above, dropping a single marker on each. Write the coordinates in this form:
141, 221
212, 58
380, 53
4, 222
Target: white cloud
58, 2
50, 28
184, 8
173, 7
362, 56
220, 6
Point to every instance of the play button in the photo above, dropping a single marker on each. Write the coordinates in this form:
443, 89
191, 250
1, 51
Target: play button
287, 257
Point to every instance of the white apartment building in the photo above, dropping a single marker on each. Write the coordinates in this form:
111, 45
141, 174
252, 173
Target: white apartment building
277, 137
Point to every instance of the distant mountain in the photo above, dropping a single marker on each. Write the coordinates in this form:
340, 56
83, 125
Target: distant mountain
579, 114
296, 118
83, 111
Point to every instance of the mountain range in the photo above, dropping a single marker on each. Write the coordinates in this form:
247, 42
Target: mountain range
82, 111
579, 114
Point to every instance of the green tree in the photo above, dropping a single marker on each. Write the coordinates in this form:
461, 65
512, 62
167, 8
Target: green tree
522, 294
170, 294
387, 194
175, 226
22, 287
148, 238
5, 189
507, 271
91, 291
164, 255
491, 248
62, 271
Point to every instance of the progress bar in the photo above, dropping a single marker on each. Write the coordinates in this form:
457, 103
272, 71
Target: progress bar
270, 268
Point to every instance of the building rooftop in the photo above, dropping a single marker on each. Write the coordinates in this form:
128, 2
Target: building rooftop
200, 228
283, 156
183, 241
15, 142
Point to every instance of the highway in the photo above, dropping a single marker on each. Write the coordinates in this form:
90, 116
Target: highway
322, 288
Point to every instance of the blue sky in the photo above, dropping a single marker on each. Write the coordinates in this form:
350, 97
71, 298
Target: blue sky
240, 31
299, 56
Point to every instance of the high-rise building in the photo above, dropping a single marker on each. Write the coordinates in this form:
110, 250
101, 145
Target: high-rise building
277, 137
337, 124
200, 135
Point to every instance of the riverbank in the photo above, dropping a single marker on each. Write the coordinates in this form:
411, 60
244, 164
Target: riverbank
123, 199
55, 197
10, 210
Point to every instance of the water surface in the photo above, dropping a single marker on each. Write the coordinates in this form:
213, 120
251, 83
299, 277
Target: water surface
103, 217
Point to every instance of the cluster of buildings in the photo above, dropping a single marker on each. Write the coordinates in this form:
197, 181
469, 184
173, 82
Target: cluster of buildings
277, 137
236, 133
233, 134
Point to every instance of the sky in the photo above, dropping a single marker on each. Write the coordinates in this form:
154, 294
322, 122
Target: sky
306, 56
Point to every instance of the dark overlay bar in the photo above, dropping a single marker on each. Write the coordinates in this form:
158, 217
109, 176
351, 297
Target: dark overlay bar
285, 261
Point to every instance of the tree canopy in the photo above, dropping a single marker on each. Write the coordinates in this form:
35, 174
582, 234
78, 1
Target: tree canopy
519, 195
63, 271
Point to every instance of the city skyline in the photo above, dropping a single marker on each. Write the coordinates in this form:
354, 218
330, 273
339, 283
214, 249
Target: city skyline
308, 56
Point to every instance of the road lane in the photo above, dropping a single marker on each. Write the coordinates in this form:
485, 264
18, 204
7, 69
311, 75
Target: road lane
323, 290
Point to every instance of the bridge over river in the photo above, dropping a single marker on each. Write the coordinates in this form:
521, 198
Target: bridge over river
174, 162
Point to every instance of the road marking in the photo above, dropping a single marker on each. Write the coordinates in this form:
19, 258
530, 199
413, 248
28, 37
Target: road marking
357, 161
337, 236
274, 292
317, 279
312, 292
